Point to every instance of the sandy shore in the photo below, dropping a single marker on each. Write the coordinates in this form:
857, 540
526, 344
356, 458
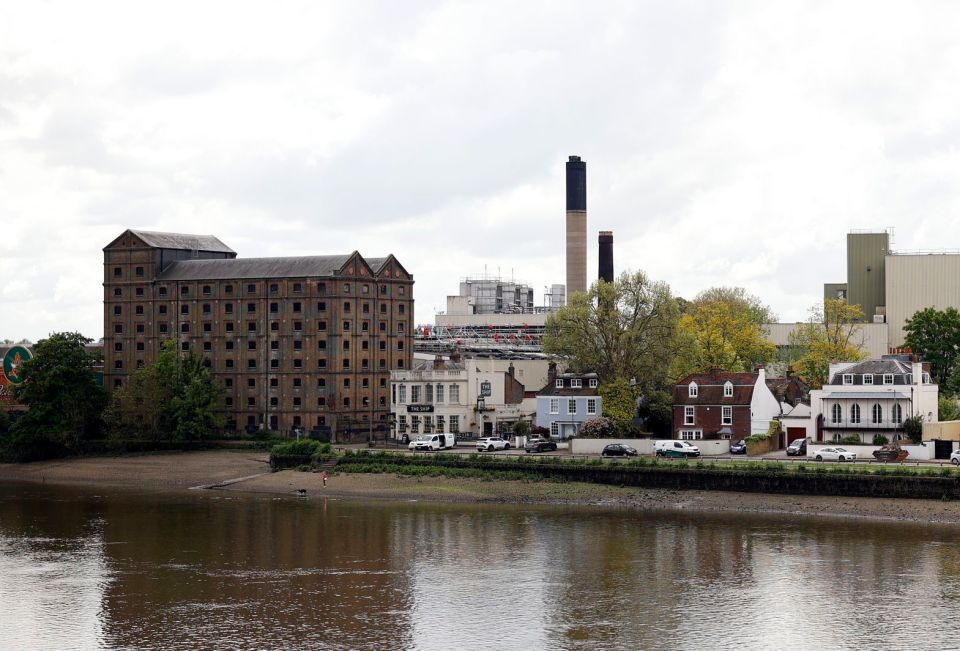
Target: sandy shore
248, 472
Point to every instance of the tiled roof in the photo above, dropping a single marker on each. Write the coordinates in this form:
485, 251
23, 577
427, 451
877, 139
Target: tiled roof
242, 268
183, 241
713, 395
719, 377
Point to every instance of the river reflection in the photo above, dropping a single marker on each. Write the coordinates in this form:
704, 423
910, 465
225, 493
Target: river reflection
81, 569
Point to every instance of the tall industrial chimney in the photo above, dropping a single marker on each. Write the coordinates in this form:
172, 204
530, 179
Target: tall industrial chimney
576, 226
606, 256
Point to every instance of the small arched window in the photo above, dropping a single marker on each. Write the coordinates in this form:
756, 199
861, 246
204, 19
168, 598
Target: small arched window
897, 414
854, 413
835, 414
877, 413
693, 390
728, 389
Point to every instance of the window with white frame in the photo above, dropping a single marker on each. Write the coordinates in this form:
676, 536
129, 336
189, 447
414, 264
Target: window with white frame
401, 424
554, 430
888, 378
847, 378
593, 383
558, 383
728, 389
867, 378
693, 390
689, 414
440, 429
726, 417
554, 405
591, 405
403, 393
855, 414
440, 393
835, 414
690, 434
876, 414
576, 383
455, 394
571, 406
415, 394
428, 393
454, 424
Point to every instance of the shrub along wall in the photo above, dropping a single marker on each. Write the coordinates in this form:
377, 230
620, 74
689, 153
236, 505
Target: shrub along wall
763, 479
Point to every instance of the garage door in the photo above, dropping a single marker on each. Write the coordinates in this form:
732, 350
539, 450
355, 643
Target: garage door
794, 433
942, 449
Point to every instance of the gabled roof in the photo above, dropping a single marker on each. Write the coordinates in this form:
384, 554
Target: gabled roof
181, 241
719, 378
244, 268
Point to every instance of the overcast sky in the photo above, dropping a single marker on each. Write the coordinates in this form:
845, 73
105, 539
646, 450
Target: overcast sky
727, 143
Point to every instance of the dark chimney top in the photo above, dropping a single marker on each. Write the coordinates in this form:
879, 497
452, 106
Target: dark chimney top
576, 184
606, 256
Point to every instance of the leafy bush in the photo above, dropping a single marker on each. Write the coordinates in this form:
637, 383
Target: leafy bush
851, 440
303, 446
880, 439
913, 427
600, 427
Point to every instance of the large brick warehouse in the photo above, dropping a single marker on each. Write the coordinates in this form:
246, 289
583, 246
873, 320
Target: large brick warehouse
304, 342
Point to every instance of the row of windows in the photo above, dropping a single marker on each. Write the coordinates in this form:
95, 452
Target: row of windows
298, 382
274, 344
275, 363
575, 383
253, 288
207, 326
431, 424
297, 403
693, 390
876, 414
572, 406
868, 378
690, 415
427, 393
274, 308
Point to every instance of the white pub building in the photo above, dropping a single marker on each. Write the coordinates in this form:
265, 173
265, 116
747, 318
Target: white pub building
454, 396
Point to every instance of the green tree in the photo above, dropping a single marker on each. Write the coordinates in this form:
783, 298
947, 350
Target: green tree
598, 428
947, 408
834, 331
934, 335
619, 401
624, 329
64, 402
175, 398
656, 412
723, 327
913, 428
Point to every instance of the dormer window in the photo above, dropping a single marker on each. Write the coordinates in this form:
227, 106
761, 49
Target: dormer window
728, 389
576, 383
888, 378
847, 378
693, 390
558, 383
593, 383
867, 378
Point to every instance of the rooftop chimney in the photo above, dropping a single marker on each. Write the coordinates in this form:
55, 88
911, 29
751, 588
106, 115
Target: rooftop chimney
606, 256
576, 226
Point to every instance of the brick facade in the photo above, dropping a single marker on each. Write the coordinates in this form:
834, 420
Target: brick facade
296, 342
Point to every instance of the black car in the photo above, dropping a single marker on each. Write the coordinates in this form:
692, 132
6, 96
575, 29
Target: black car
618, 450
539, 445
738, 447
797, 448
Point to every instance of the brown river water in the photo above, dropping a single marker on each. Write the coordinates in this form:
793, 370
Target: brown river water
88, 569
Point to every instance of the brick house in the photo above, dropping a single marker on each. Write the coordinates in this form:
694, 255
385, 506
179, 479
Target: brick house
722, 405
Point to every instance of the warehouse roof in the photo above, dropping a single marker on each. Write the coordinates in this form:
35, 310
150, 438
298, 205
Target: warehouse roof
183, 241
240, 268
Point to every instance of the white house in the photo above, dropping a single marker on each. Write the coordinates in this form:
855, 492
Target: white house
872, 397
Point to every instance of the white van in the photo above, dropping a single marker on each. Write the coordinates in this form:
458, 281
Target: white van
427, 442
675, 449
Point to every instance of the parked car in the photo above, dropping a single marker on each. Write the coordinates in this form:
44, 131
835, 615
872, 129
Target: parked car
835, 454
675, 449
738, 447
539, 445
491, 443
797, 448
618, 450
428, 442
955, 457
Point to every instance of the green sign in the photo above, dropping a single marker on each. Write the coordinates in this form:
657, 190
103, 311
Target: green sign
12, 362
